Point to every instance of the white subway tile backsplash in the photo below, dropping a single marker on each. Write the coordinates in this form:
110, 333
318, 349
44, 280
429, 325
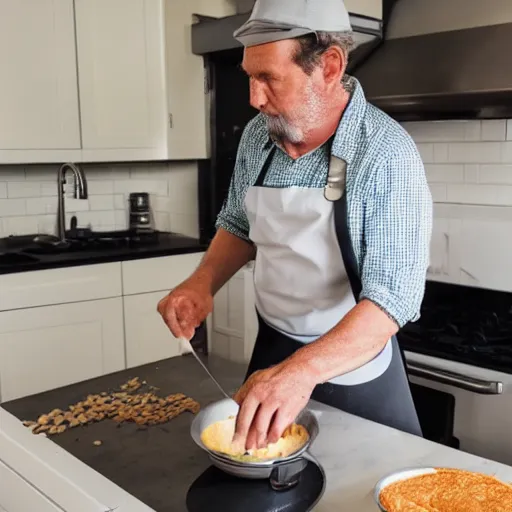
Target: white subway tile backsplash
101, 202
495, 174
471, 172
474, 153
506, 154
28, 196
76, 205
509, 129
21, 225
16, 189
11, 173
41, 205
440, 152
126, 186
99, 187
445, 173
494, 130
480, 194
12, 207
426, 152
444, 131
438, 191
121, 219
477, 212
120, 202
47, 172
185, 224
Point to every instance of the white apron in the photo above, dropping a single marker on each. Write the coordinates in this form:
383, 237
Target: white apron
301, 285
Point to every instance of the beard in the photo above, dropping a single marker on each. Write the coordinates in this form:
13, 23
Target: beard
280, 129
295, 126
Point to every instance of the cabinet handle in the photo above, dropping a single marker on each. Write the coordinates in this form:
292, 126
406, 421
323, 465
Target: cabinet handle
482, 387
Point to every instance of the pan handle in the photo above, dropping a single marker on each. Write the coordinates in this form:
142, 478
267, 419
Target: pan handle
287, 475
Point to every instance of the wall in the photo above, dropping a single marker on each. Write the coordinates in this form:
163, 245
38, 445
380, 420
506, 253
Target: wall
469, 169
28, 196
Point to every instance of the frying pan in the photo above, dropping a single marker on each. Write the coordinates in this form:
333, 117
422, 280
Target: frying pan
225, 408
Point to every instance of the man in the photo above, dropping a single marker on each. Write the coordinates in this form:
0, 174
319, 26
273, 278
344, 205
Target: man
329, 197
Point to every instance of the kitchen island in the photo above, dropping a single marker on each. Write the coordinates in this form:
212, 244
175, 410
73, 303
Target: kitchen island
152, 468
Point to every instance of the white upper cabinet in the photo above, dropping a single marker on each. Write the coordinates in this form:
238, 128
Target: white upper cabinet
38, 83
120, 75
102, 80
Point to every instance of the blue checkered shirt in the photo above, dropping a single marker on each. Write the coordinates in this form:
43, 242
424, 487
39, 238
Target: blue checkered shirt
389, 201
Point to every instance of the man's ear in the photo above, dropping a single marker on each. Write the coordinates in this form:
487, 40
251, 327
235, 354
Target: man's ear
333, 65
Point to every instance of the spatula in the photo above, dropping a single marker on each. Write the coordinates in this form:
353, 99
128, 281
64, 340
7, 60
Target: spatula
187, 348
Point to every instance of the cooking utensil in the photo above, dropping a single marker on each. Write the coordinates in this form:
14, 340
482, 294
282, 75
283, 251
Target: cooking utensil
396, 476
222, 410
187, 348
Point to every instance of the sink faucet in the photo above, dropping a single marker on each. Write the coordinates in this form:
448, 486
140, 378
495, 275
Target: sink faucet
80, 192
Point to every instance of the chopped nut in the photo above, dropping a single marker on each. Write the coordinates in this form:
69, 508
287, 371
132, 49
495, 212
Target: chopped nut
43, 420
97, 443
58, 420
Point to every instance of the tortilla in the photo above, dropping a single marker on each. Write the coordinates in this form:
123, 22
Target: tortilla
448, 490
218, 437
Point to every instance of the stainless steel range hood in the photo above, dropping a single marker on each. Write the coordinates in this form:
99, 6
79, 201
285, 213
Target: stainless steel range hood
213, 35
443, 59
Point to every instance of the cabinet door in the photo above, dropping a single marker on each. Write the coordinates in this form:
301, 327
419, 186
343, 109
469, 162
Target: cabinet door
38, 85
48, 347
121, 77
148, 339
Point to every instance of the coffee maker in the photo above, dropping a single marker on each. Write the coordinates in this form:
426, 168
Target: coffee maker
140, 212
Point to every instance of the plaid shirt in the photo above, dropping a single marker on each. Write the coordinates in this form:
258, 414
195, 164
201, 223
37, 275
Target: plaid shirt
389, 201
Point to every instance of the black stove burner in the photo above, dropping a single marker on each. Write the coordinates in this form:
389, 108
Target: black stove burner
461, 323
215, 490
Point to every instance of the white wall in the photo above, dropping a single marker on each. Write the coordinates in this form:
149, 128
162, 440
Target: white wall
467, 162
28, 196
469, 169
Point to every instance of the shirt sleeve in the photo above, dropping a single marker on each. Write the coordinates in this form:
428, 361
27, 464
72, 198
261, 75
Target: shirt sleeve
397, 232
233, 217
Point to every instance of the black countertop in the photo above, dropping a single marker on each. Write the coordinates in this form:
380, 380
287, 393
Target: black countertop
27, 258
157, 465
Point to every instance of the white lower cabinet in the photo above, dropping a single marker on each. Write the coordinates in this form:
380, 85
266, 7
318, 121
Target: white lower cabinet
148, 339
62, 326
48, 347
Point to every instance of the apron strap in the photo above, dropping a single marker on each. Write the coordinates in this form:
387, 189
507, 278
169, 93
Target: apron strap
264, 170
336, 191
347, 251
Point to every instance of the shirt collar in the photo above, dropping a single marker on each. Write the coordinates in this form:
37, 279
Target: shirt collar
348, 134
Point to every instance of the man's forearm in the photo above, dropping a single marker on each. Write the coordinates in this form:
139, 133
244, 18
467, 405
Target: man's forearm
354, 341
226, 255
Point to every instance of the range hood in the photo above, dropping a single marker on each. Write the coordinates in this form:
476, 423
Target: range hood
211, 36
442, 59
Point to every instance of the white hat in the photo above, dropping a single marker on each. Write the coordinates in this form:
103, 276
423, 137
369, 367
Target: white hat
274, 20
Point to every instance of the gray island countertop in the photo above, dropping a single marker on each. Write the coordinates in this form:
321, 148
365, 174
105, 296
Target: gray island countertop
143, 471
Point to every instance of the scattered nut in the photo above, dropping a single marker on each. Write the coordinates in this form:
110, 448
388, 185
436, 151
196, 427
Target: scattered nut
97, 443
143, 409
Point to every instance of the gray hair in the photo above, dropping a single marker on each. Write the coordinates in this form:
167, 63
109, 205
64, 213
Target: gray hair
311, 47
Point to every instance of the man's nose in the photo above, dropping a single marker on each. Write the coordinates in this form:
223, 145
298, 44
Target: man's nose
258, 97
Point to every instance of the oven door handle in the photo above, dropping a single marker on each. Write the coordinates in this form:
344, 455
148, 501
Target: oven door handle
482, 387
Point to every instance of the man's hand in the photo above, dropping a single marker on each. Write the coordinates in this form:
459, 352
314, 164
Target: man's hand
270, 401
185, 308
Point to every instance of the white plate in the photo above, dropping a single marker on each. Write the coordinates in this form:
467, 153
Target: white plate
403, 474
